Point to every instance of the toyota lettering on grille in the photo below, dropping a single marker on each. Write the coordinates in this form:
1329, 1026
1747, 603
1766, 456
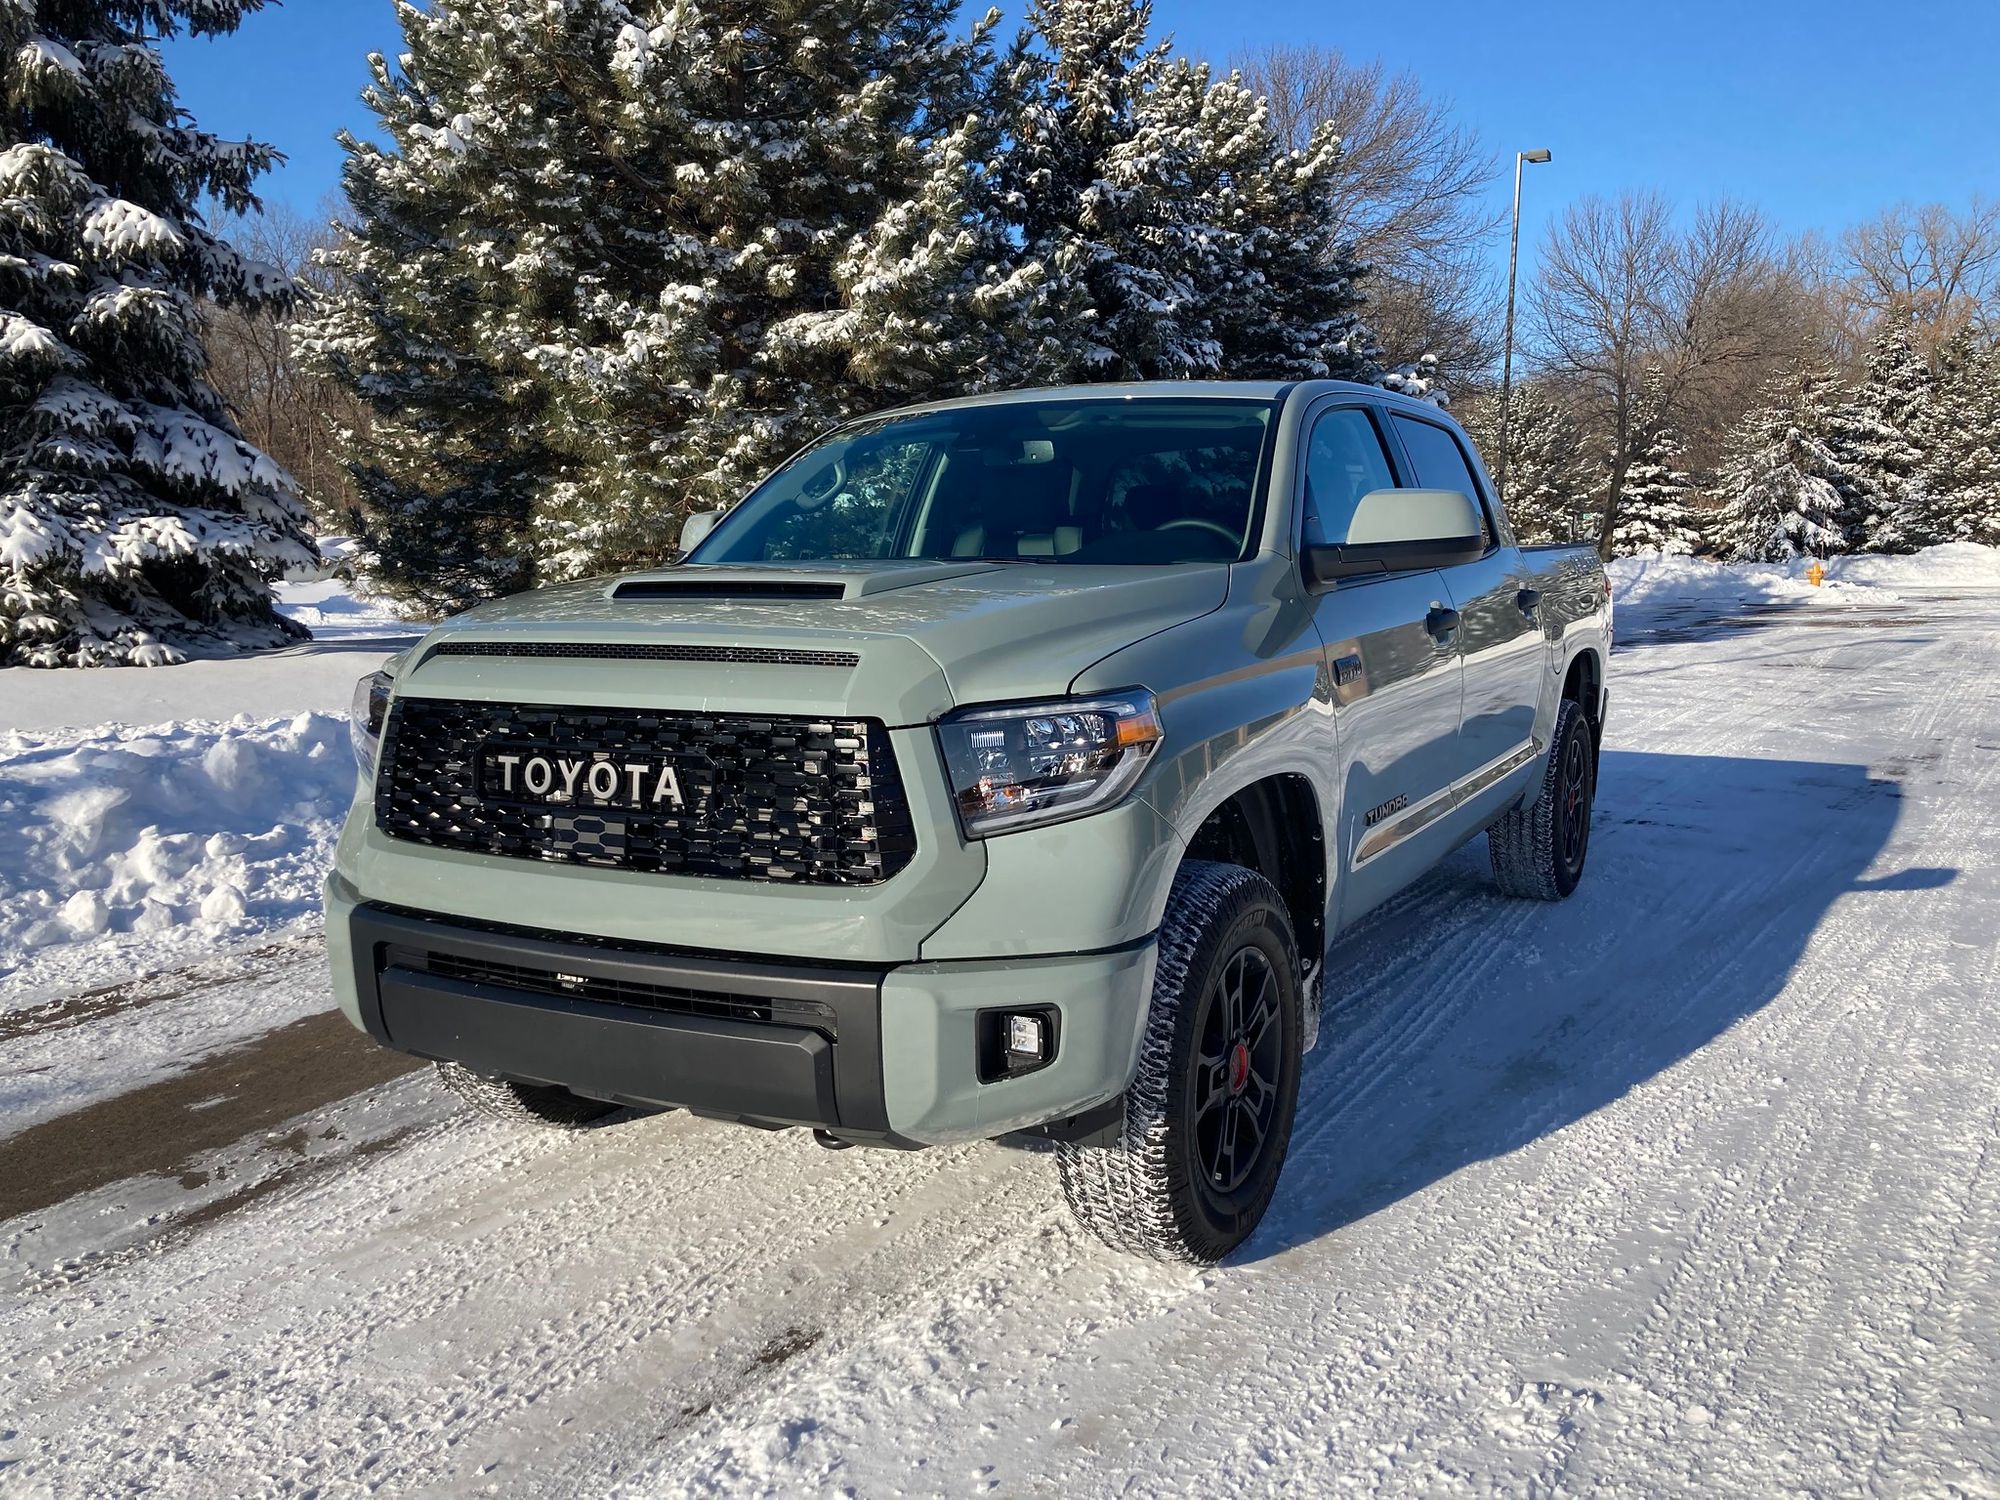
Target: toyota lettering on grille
581, 781
811, 801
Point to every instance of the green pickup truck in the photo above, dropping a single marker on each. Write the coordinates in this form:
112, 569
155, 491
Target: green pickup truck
997, 769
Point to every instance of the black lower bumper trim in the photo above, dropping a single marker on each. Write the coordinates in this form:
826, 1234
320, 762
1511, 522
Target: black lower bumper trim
614, 1052
827, 1075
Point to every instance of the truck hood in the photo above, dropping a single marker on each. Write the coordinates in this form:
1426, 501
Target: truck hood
902, 641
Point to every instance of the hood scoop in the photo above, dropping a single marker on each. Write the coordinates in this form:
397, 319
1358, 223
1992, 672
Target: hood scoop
651, 651
727, 588
777, 583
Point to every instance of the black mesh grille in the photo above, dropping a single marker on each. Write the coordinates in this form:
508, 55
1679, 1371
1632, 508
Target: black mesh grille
611, 651
812, 801
675, 999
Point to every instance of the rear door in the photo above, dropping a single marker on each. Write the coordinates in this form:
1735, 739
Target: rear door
1395, 685
1499, 641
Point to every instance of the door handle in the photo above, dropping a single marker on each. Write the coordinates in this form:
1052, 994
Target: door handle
1441, 622
1528, 599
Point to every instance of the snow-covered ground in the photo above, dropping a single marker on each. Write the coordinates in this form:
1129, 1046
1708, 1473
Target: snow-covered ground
351, 636
1686, 1185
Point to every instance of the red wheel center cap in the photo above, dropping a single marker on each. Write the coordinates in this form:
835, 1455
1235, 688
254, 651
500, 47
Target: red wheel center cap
1239, 1068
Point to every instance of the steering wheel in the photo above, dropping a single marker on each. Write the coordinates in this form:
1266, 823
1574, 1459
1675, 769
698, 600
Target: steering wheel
1197, 523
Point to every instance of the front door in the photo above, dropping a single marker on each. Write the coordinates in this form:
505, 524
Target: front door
1499, 637
1396, 678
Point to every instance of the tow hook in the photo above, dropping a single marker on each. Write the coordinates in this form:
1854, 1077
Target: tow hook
829, 1140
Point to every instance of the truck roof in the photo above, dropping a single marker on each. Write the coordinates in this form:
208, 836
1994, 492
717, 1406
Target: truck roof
1240, 390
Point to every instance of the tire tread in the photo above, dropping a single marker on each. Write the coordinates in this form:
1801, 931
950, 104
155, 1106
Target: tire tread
1127, 1193
1522, 841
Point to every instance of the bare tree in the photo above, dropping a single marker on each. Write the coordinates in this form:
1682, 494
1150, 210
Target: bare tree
1598, 308
1742, 314
286, 410
1411, 202
1621, 291
1842, 321
1937, 268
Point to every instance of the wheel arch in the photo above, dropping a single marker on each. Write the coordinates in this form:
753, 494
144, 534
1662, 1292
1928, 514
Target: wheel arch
1275, 826
1583, 684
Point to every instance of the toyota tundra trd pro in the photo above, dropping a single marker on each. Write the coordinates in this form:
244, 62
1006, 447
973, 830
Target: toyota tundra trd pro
997, 768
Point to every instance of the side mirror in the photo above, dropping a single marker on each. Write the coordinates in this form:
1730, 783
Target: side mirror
1394, 531
695, 528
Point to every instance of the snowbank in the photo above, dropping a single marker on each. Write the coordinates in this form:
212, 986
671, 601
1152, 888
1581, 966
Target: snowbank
120, 847
1954, 565
1652, 586
1653, 580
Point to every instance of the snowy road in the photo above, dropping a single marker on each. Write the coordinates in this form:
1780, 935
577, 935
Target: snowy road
1687, 1185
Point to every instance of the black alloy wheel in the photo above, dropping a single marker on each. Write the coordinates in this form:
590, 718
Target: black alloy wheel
1233, 1086
1575, 799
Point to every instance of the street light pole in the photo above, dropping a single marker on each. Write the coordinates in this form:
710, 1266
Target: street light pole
1507, 347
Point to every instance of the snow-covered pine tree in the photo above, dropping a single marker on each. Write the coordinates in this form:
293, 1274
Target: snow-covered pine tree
1876, 461
451, 461
1546, 484
1899, 383
599, 245
1898, 392
935, 299
1961, 472
1180, 239
1781, 486
135, 522
1654, 509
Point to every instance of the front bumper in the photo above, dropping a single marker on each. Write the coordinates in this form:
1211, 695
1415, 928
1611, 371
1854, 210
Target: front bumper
870, 1052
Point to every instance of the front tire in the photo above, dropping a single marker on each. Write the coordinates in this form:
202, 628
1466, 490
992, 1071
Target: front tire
522, 1103
1538, 849
1209, 1117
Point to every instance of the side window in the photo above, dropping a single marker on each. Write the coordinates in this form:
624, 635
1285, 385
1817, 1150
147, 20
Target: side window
1440, 464
1344, 461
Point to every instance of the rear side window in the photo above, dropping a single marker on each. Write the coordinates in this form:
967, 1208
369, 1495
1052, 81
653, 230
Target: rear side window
1344, 461
1440, 463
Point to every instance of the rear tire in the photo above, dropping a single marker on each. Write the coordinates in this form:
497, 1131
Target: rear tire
522, 1103
1538, 849
1209, 1117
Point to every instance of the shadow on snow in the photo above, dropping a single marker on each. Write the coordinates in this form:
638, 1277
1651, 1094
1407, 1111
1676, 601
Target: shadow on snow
1460, 1025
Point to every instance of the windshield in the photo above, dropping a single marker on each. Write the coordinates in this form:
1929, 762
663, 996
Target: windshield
1137, 480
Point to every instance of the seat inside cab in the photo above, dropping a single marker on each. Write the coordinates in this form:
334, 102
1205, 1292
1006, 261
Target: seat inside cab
1151, 499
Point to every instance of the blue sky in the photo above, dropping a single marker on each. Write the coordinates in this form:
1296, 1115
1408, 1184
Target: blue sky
1821, 114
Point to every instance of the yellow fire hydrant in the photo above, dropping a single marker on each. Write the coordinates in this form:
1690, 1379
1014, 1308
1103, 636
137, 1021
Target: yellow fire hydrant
1816, 574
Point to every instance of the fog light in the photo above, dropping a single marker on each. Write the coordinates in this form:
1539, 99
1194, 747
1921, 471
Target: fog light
1013, 1042
1027, 1039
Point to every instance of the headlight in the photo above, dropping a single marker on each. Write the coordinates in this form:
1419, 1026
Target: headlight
1032, 763
371, 708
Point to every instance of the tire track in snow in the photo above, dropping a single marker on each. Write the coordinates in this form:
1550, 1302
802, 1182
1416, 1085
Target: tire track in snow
1553, 1231
1779, 1209
511, 1207
89, 1007
1561, 1231
1452, 1289
552, 1315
